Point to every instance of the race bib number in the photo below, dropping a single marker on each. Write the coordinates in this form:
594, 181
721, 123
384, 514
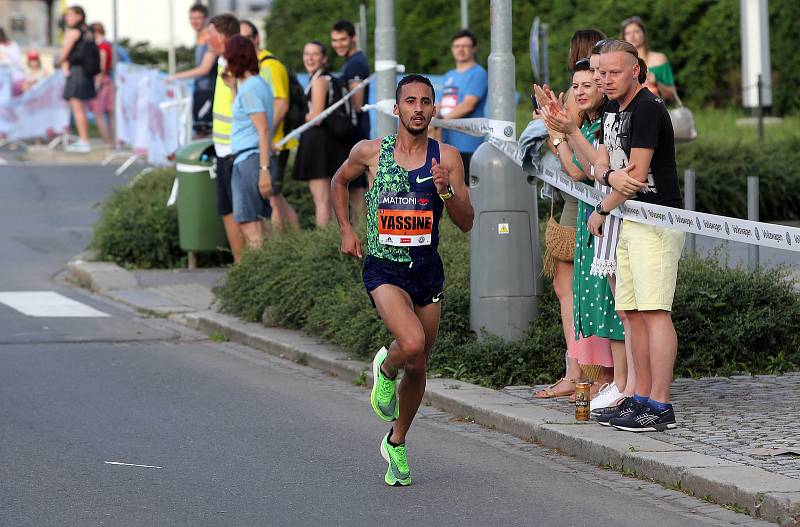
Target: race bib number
449, 100
405, 219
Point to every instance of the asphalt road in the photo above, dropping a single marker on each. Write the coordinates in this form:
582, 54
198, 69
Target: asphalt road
123, 420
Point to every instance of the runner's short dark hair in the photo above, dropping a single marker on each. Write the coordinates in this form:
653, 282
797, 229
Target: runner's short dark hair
226, 23
252, 27
410, 79
346, 26
466, 33
199, 8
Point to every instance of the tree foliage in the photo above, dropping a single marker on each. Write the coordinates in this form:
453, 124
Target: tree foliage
700, 37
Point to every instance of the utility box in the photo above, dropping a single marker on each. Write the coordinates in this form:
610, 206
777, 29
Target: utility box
505, 258
200, 227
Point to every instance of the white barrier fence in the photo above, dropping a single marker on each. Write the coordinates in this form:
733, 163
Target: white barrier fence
723, 227
151, 113
39, 112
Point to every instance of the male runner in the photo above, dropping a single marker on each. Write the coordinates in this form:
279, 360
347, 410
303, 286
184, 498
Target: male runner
412, 180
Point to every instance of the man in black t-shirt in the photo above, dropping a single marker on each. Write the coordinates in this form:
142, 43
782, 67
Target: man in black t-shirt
637, 158
354, 70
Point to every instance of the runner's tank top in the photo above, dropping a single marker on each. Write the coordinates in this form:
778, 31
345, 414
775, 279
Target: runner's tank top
403, 208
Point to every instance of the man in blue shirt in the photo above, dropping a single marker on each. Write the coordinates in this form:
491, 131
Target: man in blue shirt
464, 94
354, 70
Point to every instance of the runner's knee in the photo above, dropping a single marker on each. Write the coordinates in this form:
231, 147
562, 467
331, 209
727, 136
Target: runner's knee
413, 346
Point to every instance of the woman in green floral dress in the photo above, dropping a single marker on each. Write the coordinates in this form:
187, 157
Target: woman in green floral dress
593, 300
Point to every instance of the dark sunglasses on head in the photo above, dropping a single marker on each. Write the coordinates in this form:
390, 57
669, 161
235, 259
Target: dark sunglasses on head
582, 65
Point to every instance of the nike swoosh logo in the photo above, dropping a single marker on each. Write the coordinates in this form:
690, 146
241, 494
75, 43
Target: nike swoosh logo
423, 180
436, 298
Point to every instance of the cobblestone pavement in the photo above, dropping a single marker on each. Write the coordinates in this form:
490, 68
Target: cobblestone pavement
726, 417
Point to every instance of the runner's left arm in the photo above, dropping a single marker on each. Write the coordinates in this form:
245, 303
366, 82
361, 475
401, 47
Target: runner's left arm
450, 172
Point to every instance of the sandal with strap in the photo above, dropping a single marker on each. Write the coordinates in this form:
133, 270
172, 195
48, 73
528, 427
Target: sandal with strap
550, 392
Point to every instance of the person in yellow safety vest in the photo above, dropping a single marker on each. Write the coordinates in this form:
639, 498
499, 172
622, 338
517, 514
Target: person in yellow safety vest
220, 29
274, 72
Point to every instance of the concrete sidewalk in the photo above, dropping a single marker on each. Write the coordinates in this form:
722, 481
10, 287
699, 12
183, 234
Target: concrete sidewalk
710, 455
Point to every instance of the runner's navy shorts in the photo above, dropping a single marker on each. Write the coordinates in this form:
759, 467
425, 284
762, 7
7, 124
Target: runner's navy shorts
423, 280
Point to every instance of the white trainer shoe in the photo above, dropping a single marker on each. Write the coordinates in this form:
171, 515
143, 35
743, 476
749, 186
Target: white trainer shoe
606, 397
80, 147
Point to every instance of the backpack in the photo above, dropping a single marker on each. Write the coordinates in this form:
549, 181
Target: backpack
88, 55
298, 106
343, 122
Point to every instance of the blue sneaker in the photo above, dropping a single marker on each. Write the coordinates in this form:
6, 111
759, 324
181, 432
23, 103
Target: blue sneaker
646, 419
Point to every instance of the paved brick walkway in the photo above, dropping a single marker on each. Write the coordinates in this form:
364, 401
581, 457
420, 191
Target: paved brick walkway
726, 417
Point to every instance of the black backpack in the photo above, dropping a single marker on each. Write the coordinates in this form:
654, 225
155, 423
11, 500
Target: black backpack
298, 107
343, 122
88, 55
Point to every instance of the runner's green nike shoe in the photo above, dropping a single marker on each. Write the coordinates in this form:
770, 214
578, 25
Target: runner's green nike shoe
384, 390
397, 473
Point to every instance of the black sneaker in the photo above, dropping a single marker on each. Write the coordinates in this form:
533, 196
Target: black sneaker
646, 419
624, 408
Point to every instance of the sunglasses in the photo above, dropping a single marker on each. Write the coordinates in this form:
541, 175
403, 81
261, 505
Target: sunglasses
582, 65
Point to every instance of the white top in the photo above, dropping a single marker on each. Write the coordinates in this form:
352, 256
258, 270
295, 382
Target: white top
11, 55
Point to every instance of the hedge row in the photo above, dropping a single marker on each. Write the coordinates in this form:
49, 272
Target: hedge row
728, 320
136, 228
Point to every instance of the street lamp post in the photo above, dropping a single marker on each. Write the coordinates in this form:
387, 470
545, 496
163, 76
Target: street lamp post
385, 61
504, 243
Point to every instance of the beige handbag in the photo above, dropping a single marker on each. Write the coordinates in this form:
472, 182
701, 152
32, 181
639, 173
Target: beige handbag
559, 244
682, 122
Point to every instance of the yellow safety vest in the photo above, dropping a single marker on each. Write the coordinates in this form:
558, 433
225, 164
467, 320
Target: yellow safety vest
222, 112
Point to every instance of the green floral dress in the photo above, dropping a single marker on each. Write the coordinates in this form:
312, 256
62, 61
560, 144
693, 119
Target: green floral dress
593, 302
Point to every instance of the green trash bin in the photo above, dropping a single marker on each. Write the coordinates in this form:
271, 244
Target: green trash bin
199, 225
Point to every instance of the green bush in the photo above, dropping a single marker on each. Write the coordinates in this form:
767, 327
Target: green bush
136, 228
722, 169
727, 319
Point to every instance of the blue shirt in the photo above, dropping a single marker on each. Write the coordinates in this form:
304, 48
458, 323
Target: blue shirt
253, 96
457, 85
356, 68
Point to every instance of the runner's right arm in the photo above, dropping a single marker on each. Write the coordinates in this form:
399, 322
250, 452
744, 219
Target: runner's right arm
362, 156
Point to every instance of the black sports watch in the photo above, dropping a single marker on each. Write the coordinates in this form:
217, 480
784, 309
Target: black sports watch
599, 209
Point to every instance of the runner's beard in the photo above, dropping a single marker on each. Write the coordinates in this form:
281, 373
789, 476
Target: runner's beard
416, 131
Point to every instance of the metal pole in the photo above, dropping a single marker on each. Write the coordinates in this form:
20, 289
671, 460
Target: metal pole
754, 16
760, 109
689, 199
464, 14
385, 61
505, 261
501, 64
362, 39
171, 22
752, 214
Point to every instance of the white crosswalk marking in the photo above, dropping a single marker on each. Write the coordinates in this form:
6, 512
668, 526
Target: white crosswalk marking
47, 304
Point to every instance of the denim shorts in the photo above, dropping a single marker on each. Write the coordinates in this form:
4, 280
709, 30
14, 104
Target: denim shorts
248, 205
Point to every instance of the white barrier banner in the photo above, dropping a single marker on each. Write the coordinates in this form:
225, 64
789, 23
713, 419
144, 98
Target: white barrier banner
6, 84
145, 118
39, 112
126, 78
722, 227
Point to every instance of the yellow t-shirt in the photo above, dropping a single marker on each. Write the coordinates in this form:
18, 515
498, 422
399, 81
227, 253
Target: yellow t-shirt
274, 72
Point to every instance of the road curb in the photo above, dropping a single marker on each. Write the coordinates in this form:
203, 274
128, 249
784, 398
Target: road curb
100, 277
765, 495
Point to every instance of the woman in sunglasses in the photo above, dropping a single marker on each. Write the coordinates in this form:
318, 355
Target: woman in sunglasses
580, 351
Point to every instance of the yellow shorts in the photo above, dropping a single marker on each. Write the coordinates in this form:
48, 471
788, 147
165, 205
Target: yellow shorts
647, 267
